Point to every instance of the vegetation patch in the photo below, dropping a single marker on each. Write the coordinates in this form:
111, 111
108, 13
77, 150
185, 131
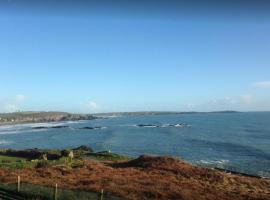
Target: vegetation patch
45, 158
107, 156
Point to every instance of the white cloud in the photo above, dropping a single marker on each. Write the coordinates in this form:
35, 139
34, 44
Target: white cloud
11, 104
224, 101
92, 106
262, 84
190, 106
241, 102
11, 108
20, 98
247, 99
227, 101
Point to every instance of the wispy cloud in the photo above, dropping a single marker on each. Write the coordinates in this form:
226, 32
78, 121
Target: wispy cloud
20, 98
244, 99
224, 101
10, 108
92, 106
262, 84
190, 106
247, 99
11, 104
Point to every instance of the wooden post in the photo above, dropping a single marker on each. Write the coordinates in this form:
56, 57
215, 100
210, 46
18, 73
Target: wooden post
18, 184
55, 192
101, 195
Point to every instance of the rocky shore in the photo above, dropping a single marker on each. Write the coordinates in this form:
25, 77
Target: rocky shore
41, 117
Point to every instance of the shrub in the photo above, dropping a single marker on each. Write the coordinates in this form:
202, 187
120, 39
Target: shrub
65, 153
77, 164
6, 161
43, 164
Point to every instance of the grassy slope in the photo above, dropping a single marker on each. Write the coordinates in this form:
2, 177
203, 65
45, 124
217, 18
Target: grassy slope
142, 178
147, 178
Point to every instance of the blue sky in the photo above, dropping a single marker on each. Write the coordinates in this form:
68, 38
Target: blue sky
102, 62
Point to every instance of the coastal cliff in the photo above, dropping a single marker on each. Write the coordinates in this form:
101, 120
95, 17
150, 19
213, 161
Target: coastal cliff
38, 117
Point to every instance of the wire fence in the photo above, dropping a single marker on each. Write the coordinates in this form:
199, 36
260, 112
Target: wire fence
38, 192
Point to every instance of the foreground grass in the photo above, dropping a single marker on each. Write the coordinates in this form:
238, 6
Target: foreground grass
144, 178
15, 162
20, 163
107, 157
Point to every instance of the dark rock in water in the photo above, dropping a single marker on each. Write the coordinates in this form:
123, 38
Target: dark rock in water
84, 148
91, 128
46, 127
170, 125
98, 127
59, 127
40, 127
148, 125
87, 127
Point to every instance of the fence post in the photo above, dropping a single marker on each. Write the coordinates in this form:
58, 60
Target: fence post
18, 183
55, 192
101, 195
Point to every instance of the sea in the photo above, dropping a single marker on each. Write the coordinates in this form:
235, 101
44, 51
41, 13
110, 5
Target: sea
238, 142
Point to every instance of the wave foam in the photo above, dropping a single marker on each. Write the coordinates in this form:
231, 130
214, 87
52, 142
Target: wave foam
5, 142
212, 162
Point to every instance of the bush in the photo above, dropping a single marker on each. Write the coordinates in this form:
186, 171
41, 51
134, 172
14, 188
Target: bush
20, 165
84, 148
65, 153
6, 161
77, 164
43, 164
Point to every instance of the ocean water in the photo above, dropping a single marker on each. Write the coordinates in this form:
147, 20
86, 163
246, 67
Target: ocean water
234, 141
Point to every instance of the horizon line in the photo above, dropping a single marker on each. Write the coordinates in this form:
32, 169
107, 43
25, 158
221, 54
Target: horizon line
143, 111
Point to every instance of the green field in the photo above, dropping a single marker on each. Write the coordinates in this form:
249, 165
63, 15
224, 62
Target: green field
25, 158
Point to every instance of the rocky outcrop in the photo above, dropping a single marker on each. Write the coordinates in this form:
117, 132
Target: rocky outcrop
32, 153
39, 117
84, 148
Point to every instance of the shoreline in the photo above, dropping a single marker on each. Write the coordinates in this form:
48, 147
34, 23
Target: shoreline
194, 164
103, 153
41, 117
41, 122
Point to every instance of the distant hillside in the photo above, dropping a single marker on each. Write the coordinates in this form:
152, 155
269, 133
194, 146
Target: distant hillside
155, 113
34, 117
38, 117
136, 113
